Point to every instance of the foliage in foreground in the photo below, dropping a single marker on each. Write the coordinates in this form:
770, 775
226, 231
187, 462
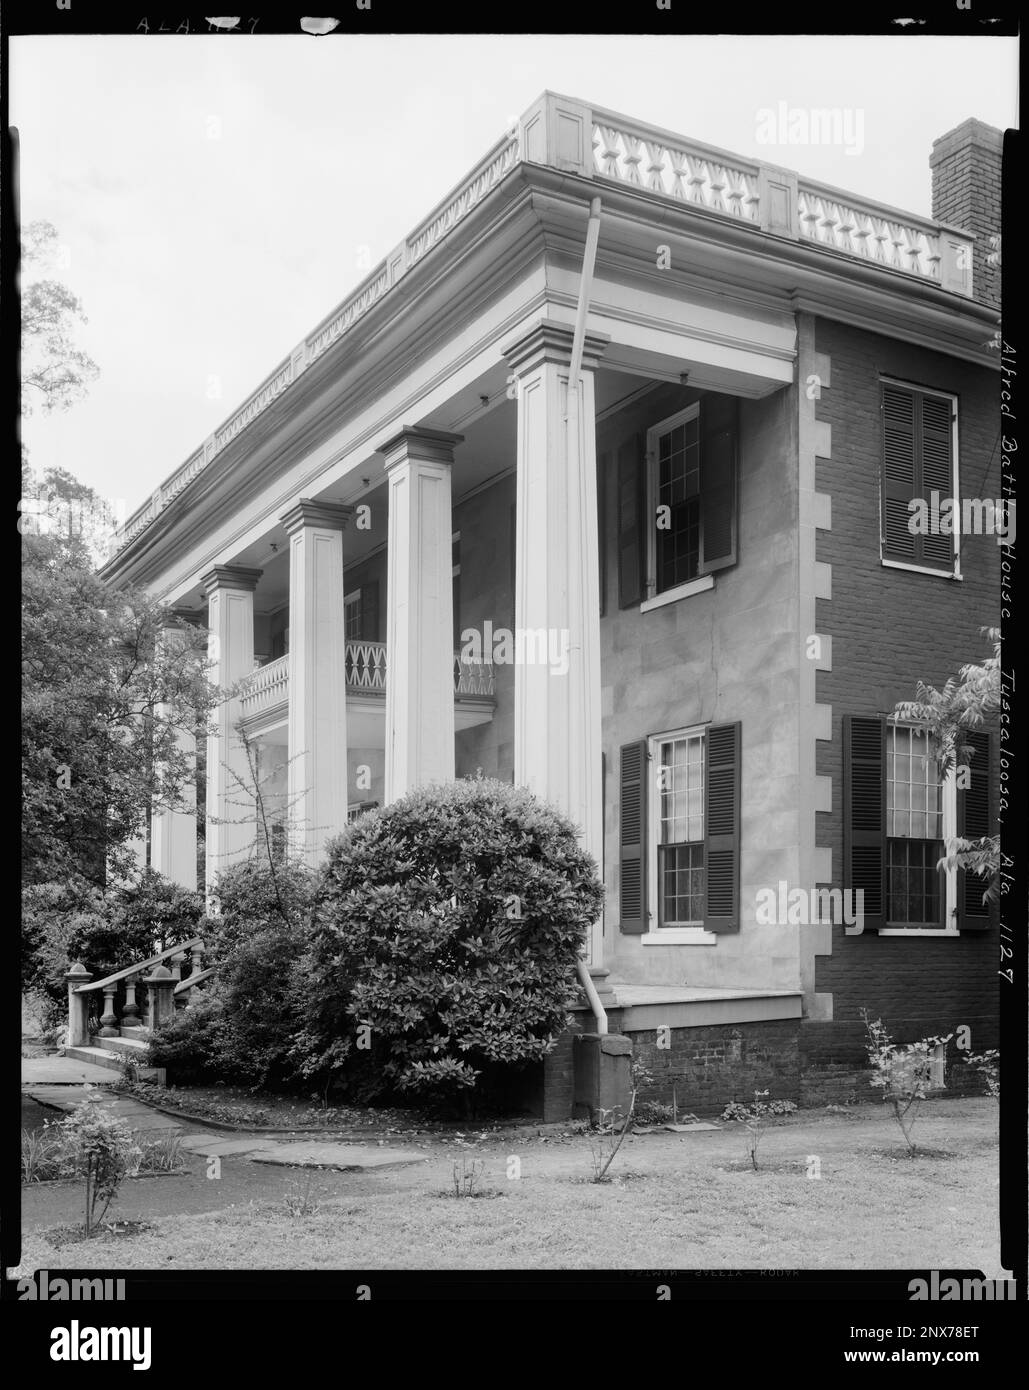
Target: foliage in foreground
903, 1074
444, 945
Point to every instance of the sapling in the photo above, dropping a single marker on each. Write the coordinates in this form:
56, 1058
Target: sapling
903, 1074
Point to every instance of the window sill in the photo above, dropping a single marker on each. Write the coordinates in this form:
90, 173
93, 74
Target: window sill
919, 931
920, 569
679, 936
695, 586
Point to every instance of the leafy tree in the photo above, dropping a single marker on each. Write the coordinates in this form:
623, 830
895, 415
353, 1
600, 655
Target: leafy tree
55, 370
966, 702
103, 704
104, 929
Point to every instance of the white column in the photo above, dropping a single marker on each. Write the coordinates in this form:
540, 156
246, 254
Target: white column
419, 612
173, 834
317, 773
230, 621
557, 727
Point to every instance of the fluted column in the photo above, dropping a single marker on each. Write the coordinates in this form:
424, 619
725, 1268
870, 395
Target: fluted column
317, 774
419, 611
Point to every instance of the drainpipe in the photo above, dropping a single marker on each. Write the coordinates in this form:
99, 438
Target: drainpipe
572, 454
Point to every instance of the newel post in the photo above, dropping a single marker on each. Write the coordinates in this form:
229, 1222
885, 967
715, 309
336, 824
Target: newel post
109, 1019
78, 1006
130, 1013
161, 986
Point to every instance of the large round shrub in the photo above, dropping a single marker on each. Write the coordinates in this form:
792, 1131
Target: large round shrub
445, 937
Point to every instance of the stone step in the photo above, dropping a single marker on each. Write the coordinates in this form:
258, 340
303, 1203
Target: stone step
112, 1060
133, 1046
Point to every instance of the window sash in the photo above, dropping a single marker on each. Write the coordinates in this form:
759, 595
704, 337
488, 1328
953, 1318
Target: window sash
677, 833
673, 481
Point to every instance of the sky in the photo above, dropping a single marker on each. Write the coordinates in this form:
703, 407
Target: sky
216, 196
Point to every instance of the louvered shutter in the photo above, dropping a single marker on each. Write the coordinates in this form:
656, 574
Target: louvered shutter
718, 483
603, 473
898, 477
722, 828
633, 838
917, 461
864, 814
974, 824
631, 482
936, 474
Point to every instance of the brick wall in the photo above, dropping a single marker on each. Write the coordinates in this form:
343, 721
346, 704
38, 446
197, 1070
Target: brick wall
713, 1065
966, 168
890, 628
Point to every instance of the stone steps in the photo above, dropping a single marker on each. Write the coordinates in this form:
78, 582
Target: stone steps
110, 1057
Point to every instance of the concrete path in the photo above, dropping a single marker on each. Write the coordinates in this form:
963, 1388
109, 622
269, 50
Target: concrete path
64, 1071
139, 1116
60, 1082
335, 1155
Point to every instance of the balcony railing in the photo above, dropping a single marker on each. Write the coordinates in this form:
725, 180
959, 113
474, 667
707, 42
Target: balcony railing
600, 144
268, 686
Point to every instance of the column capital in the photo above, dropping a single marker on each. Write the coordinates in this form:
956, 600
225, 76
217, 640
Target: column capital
230, 577
419, 445
332, 516
550, 341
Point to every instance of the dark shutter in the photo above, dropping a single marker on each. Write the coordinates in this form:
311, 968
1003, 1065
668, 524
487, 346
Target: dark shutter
974, 824
718, 482
632, 814
936, 473
864, 814
603, 473
722, 828
370, 611
631, 464
917, 460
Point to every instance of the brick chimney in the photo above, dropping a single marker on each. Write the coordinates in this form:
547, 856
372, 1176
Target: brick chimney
966, 164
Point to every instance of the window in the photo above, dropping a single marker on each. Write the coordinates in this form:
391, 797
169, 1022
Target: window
677, 487
897, 815
675, 490
919, 433
361, 614
680, 835
680, 830
914, 830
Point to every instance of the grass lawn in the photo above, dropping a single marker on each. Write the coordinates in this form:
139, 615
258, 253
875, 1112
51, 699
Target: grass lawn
675, 1201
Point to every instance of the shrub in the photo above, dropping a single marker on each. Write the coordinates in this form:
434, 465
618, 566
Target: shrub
903, 1074
241, 1024
190, 1043
103, 1151
755, 1117
445, 938
987, 1064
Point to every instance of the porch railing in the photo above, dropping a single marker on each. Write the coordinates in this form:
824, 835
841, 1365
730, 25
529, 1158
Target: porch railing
160, 976
365, 675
